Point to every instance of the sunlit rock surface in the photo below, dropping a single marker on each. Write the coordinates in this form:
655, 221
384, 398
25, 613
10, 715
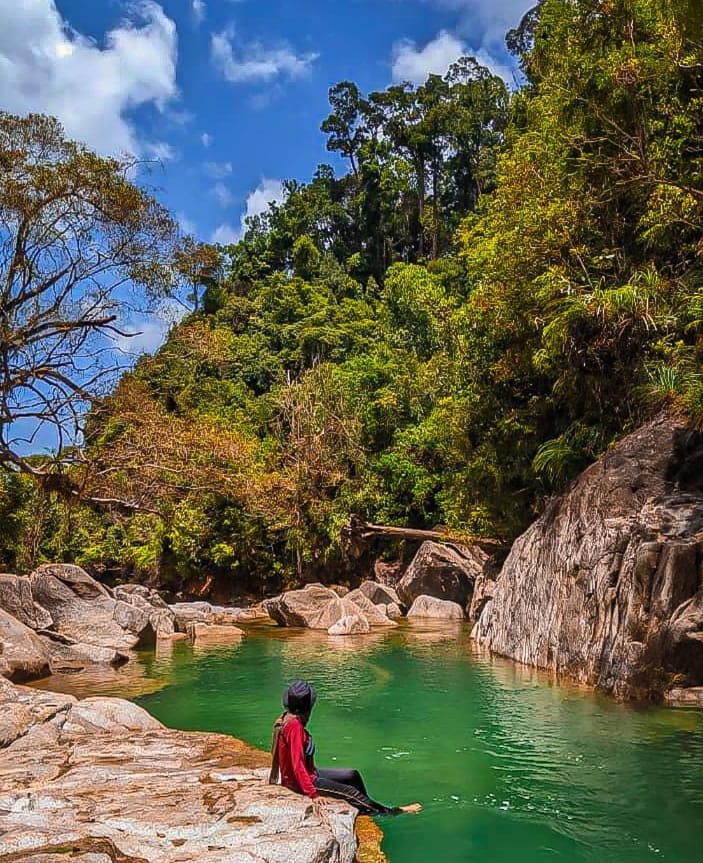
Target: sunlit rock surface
439, 609
606, 586
102, 777
318, 607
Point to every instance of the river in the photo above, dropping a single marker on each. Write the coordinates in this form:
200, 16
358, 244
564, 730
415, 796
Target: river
509, 766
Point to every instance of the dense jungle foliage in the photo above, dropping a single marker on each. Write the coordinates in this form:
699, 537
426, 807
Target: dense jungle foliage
495, 287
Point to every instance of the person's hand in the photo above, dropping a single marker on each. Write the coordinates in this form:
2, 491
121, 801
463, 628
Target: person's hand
321, 804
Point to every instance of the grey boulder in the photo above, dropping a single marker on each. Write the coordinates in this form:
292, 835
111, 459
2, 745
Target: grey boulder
443, 571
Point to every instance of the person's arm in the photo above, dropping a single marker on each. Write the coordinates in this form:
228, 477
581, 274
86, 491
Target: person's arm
296, 740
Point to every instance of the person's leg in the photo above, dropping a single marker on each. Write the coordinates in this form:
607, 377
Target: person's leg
330, 787
346, 777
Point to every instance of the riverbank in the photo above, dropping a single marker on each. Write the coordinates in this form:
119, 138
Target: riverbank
103, 780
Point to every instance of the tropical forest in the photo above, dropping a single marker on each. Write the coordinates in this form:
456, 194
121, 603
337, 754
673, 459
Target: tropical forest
460, 364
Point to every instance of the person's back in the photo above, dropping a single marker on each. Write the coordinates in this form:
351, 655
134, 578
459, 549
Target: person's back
293, 751
295, 756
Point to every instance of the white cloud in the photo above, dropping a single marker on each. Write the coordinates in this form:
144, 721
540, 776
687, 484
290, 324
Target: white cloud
146, 333
255, 62
266, 193
480, 29
222, 194
487, 20
49, 68
414, 64
199, 9
206, 139
161, 151
218, 170
225, 235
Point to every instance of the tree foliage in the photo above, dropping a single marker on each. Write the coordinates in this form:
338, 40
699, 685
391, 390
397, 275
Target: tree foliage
498, 287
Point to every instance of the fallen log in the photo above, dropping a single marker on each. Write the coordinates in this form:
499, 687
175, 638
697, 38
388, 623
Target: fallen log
357, 533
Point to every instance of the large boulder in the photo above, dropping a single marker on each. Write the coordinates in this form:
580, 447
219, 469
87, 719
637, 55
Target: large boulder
606, 585
353, 624
100, 780
379, 594
437, 609
318, 607
300, 607
23, 654
375, 614
16, 599
84, 611
443, 571
161, 618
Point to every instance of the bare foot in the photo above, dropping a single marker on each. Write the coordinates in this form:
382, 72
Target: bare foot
411, 807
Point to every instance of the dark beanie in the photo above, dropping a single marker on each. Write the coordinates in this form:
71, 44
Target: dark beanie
299, 697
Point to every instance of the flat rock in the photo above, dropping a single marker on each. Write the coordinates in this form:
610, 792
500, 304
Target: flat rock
206, 633
105, 779
690, 697
439, 609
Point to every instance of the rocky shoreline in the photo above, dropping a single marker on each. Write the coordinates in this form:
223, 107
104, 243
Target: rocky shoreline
103, 781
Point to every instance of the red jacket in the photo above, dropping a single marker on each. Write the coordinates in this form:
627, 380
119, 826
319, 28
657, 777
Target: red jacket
297, 770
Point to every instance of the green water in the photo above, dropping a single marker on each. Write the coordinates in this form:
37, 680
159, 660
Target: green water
508, 767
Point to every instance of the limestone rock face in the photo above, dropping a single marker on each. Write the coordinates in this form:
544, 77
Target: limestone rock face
606, 586
443, 571
24, 655
379, 594
16, 599
83, 610
439, 609
105, 780
482, 595
353, 624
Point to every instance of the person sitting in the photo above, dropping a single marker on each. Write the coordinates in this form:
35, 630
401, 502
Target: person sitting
293, 752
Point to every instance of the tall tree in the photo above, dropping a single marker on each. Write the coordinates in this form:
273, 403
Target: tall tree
80, 244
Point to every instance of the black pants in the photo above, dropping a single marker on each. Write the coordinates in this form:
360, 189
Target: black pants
349, 786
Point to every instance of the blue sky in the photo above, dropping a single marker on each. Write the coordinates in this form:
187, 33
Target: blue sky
228, 93
225, 96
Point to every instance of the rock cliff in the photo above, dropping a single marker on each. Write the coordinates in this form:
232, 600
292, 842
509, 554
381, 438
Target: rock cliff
101, 781
606, 586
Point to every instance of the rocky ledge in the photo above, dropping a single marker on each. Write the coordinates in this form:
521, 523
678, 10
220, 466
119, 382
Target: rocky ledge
102, 781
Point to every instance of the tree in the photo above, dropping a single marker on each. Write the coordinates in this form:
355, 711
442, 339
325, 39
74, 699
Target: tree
81, 247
